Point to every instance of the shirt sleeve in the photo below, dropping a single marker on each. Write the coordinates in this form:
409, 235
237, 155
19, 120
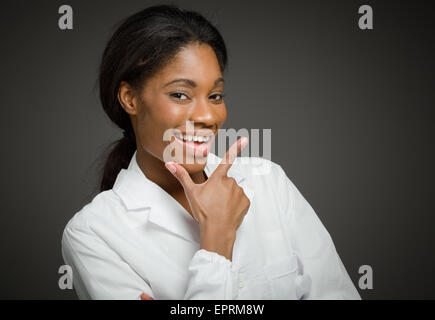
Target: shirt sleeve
211, 277
311, 241
99, 273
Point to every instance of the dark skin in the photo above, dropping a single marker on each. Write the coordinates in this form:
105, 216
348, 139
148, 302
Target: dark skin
157, 108
218, 204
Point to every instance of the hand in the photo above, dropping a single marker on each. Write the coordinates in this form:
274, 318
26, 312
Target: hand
219, 204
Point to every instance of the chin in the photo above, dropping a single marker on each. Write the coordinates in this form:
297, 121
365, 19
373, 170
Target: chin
194, 167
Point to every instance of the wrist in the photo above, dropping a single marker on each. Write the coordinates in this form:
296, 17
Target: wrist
221, 242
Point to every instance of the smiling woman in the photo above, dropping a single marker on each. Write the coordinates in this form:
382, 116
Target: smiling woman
194, 226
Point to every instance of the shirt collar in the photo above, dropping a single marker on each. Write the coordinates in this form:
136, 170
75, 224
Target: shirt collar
140, 194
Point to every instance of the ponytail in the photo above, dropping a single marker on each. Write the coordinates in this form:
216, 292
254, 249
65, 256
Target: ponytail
119, 158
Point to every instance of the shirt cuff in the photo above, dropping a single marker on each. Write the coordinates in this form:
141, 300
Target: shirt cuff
212, 276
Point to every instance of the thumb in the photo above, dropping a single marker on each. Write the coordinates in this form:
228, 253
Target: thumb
180, 173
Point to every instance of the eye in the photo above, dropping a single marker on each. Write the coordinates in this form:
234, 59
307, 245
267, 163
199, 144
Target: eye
217, 96
179, 96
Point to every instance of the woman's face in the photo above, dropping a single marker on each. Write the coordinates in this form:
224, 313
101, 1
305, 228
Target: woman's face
167, 104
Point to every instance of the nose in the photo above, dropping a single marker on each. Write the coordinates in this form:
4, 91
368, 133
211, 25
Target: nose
202, 114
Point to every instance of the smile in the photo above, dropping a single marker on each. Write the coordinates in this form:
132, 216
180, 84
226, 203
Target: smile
189, 138
199, 145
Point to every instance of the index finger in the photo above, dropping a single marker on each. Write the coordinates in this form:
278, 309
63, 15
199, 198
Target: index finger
231, 155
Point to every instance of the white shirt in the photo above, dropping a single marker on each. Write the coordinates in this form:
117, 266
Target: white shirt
136, 238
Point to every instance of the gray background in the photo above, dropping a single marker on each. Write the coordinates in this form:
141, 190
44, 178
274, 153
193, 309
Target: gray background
351, 113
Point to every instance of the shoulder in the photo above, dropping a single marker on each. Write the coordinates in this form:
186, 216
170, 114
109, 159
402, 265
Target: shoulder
256, 168
103, 206
268, 178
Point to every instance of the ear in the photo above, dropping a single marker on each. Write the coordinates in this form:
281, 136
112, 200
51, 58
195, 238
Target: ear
127, 98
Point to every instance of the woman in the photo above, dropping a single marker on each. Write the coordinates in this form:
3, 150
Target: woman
195, 226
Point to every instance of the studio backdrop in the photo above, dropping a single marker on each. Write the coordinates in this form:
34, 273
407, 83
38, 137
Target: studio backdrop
348, 100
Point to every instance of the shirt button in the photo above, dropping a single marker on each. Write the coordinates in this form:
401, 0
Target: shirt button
241, 281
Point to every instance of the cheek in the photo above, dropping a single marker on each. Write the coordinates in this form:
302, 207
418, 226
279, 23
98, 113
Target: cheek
221, 116
155, 122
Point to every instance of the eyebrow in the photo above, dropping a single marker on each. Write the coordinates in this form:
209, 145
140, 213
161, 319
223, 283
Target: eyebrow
191, 82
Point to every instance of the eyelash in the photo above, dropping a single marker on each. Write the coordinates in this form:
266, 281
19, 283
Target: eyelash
180, 93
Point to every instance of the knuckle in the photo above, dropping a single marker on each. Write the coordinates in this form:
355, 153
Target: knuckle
240, 192
232, 180
229, 180
246, 201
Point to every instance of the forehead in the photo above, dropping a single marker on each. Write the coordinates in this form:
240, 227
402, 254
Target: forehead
196, 61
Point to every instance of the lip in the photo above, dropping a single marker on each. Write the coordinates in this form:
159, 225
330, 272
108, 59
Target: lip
199, 149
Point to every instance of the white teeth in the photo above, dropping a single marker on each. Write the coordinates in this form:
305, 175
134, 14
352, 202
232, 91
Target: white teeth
193, 138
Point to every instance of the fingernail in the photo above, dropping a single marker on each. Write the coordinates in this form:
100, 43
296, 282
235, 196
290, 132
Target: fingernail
171, 167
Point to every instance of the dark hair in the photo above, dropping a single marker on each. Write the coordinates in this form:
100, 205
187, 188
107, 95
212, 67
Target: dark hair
141, 45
